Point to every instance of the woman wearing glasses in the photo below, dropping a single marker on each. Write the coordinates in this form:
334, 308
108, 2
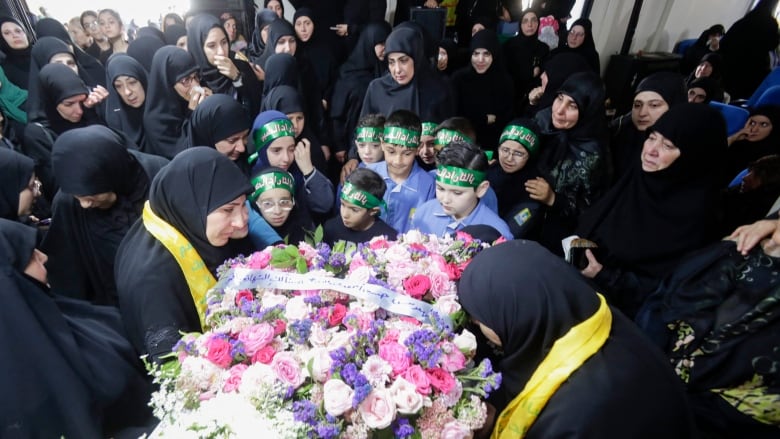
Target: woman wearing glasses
172, 95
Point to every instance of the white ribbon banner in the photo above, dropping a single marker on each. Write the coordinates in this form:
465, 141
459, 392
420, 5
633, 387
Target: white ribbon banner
247, 278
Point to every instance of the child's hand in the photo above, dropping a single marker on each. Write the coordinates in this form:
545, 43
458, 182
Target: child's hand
303, 156
347, 169
540, 190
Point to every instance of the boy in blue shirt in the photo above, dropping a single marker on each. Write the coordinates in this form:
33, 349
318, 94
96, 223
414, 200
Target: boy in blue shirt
408, 185
460, 183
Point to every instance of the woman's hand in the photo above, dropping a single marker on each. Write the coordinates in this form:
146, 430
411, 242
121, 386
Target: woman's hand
226, 67
197, 95
491, 119
303, 156
259, 72
540, 190
96, 96
593, 268
748, 236
342, 30
348, 168
739, 135
535, 94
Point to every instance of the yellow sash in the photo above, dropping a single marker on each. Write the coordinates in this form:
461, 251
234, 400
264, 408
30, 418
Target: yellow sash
567, 354
199, 278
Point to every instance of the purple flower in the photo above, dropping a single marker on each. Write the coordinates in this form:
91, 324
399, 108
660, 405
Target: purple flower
305, 411
298, 331
337, 260
348, 373
402, 429
422, 345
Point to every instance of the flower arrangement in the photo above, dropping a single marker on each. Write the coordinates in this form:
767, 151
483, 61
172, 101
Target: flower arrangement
354, 341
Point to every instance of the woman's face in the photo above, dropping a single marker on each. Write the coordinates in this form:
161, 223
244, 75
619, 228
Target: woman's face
275, 206
648, 107
234, 145
130, 90
70, 108
481, 60
658, 153
758, 128
576, 36
530, 24
281, 152
379, 51
216, 43
703, 70
276, 6
697, 95
444, 58
102, 200
512, 156
401, 67
65, 59
286, 44
14, 36
298, 120
110, 26
28, 195
565, 112
476, 28
304, 27
264, 34
182, 42
36, 268
229, 221
230, 28
184, 85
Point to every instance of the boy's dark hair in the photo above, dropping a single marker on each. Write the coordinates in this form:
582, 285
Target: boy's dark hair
463, 155
767, 170
371, 120
87, 13
459, 124
404, 119
369, 181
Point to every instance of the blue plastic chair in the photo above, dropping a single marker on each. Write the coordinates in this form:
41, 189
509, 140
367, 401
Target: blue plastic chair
683, 45
738, 179
769, 97
772, 79
735, 116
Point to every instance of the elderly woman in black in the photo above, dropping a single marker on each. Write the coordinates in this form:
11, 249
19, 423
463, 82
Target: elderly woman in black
666, 205
573, 161
571, 366
196, 202
104, 183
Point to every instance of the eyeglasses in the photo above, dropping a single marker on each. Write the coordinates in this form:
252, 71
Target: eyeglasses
91, 25
35, 187
268, 205
751, 123
519, 155
186, 81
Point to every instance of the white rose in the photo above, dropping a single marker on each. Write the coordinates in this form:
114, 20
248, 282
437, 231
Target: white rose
447, 305
297, 309
340, 340
320, 364
337, 396
319, 336
466, 342
405, 397
413, 237
271, 300
377, 409
360, 275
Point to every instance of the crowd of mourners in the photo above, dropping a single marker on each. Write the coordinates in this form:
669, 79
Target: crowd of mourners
643, 248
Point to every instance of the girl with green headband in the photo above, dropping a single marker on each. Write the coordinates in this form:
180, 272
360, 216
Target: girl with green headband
361, 203
273, 197
460, 184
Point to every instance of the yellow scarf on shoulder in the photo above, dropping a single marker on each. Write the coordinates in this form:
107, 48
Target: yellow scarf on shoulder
199, 278
567, 355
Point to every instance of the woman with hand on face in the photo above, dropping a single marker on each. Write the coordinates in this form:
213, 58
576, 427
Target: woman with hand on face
758, 138
221, 69
666, 205
197, 202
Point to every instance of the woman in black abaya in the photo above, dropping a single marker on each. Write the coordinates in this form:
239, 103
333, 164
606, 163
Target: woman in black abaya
263, 19
558, 346
127, 87
197, 201
49, 27
758, 138
315, 50
142, 49
580, 40
524, 54
68, 370
221, 123
666, 205
220, 69
481, 90
17, 171
104, 184
17, 49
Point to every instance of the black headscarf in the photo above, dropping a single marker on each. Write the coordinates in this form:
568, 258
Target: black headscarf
173, 32
650, 219
67, 362
558, 68
58, 82
198, 31
83, 242
523, 53
743, 152
317, 52
588, 47
278, 29
15, 172
215, 119
49, 27
151, 31
16, 63
531, 305
119, 115
263, 18
281, 69
285, 99
165, 113
143, 50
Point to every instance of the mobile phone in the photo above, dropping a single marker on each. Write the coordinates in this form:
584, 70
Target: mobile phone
334, 28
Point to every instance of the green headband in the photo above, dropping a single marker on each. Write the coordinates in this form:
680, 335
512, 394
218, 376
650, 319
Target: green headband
459, 176
360, 198
523, 136
368, 134
268, 133
272, 180
446, 136
428, 128
402, 137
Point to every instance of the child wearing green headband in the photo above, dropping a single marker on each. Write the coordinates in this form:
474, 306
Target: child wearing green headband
408, 185
368, 138
273, 198
361, 203
460, 184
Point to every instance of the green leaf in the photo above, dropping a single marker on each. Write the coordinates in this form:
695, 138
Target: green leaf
301, 266
318, 234
292, 251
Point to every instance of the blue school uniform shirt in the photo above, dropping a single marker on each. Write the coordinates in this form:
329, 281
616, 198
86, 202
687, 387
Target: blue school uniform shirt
403, 199
431, 218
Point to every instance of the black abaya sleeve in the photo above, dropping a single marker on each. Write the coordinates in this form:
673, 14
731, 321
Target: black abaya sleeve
36, 144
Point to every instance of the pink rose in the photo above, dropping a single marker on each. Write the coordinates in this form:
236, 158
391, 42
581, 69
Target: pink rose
452, 359
377, 409
463, 236
357, 262
259, 260
447, 305
456, 430
218, 352
337, 397
397, 355
264, 355
256, 337
391, 336
337, 313
405, 397
440, 379
234, 378
279, 327
440, 284
244, 295
417, 285
417, 376
287, 369
378, 242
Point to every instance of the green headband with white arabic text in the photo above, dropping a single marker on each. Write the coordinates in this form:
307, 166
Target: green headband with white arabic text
358, 197
402, 137
446, 136
521, 135
269, 132
462, 177
368, 134
272, 180
428, 128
